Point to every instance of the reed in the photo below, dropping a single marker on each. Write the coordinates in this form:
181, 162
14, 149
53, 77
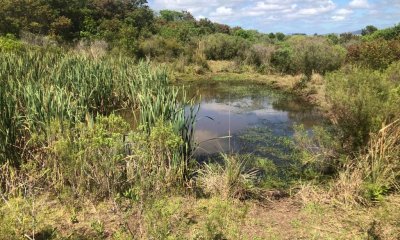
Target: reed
38, 87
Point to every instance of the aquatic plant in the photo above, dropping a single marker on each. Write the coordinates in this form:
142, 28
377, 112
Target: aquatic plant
39, 87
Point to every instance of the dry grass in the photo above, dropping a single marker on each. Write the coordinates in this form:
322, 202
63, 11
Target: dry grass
222, 66
378, 170
232, 179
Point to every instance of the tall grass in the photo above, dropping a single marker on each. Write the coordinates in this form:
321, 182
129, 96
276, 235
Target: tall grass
374, 173
234, 178
38, 87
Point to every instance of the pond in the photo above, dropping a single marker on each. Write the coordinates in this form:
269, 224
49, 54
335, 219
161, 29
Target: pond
248, 118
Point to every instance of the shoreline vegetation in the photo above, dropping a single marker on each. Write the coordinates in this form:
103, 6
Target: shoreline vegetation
312, 92
72, 168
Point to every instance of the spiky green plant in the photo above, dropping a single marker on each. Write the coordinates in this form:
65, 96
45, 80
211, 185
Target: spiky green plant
38, 87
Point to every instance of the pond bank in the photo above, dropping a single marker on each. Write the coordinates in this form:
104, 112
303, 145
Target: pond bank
313, 91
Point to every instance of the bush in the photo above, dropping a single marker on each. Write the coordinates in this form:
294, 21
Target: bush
393, 72
89, 158
376, 54
318, 151
156, 163
224, 47
102, 159
9, 43
161, 49
260, 55
387, 34
281, 60
361, 100
315, 55
308, 55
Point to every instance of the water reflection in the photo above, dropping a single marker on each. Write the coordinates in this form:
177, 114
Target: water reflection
237, 109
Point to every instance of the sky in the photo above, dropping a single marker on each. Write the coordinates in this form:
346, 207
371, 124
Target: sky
291, 16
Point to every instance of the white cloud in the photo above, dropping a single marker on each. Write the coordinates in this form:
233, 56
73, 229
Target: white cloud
341, 14
291, 15
338, 18
317, 10
222, 12
344, 11
359, 4
289, 9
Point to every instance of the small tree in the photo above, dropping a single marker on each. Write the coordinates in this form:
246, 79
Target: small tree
280, 36
369, 30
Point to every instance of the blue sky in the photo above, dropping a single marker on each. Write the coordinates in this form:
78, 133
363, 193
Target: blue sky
292, 16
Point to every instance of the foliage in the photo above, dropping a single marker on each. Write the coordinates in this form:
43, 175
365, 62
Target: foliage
361, 101
282, 59
333, 38
387, 34
172, 16
9, 43
376, 54
374, 173
222, 47
307, 55
156, 162
161, 49
69, 20
280, 36
89, 158
68, 87
260, 55
370, 29
315, 55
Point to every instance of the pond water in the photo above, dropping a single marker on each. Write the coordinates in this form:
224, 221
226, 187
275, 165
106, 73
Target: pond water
243, 118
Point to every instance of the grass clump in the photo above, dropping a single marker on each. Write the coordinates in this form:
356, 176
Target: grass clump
375, 173
234, 178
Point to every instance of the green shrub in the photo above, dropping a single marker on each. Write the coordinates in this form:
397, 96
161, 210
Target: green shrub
156, 162
393, 72
25, 218
9, 43
387, 34
161, 49
308, 55
315, 55
224, 47
260, 55
377, 54
361, 100
282, 60
89, 158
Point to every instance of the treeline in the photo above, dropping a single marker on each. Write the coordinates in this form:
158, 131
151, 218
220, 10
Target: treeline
131, 27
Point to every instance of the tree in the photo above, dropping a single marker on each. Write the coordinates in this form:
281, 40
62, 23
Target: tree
346, 37
333, 38
280, 36
206, 26
222, 28
271, 35
171, 16
369, 30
